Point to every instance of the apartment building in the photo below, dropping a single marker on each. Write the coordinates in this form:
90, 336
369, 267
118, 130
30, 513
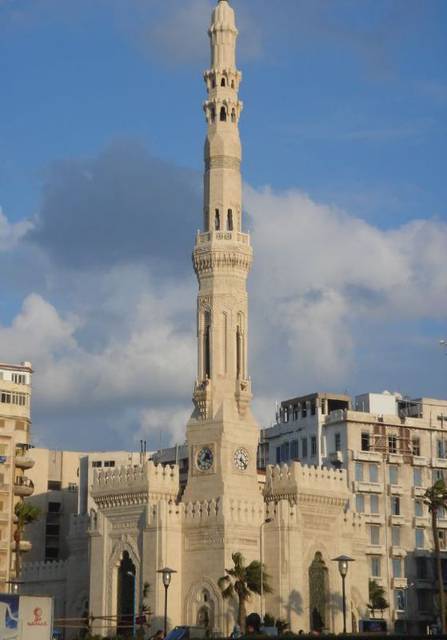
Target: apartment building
15, 424
392, 449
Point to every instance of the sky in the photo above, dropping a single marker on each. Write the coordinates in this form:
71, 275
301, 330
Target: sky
101, 144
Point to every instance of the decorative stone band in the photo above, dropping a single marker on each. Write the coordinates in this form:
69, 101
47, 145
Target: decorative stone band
223, 162
209, 260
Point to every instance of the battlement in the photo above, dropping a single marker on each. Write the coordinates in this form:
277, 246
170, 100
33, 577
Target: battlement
295, 478
135, 483
44, 571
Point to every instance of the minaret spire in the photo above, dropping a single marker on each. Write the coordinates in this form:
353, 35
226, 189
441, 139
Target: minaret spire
222, 257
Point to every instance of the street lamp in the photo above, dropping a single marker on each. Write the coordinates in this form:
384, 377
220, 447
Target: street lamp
343, 564
266, 521
134, 610
166, 574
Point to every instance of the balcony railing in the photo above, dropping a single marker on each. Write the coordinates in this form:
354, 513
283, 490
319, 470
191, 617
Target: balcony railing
23, 486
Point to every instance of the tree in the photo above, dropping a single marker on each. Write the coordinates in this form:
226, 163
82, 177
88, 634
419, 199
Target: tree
377, 598
25, 514
241, 581
436, 499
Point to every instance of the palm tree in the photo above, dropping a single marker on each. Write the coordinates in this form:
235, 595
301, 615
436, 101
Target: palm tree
436, 499
242, 581
377, 598
25, 514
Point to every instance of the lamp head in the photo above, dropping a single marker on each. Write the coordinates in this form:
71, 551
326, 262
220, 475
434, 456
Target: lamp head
343, 564
166, 574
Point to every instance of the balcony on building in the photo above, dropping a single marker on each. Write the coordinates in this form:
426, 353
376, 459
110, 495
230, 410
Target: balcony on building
23, 487
24, 545
23, 460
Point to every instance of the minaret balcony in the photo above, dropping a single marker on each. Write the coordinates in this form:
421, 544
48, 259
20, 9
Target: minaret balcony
219, 236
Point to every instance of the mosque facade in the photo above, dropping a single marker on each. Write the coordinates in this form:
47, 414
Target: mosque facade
294, 518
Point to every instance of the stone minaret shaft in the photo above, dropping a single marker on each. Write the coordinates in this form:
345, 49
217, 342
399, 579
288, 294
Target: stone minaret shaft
222, 254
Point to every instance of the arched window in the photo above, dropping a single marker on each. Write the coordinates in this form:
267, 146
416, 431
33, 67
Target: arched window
217, 220
232, 84
213, 83
207, 346
230, 220
213, 114
223, 114
318, 593
238, 352
233, 115
222, 82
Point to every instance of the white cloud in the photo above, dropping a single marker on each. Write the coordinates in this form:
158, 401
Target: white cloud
12, 232
320, 273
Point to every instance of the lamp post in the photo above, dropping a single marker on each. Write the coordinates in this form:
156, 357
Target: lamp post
343, 564
261, 543
166, 574
134, 605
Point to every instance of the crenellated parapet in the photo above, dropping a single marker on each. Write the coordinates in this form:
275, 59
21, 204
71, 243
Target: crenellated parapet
133, 485
44, 571
296, 482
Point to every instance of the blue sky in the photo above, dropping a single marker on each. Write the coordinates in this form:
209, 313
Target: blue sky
345, 122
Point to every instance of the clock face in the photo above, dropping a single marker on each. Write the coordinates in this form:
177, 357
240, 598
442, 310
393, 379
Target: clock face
205, 459
241, 459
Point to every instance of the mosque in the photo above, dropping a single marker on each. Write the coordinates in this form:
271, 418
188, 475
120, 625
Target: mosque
294, 518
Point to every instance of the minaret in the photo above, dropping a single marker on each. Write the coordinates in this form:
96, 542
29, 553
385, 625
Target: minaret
222, 434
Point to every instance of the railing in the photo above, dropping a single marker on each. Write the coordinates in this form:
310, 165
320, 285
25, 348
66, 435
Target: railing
234, 236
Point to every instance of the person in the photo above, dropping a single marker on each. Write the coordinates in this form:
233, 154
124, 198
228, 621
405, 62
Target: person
236, 633
253, 625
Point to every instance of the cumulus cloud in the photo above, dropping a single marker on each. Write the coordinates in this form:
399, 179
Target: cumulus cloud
11, 233
109, 321
327, 274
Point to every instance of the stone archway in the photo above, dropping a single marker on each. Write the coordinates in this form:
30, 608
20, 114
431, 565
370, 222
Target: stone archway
124, 545
318, 593
203, 607
125, 605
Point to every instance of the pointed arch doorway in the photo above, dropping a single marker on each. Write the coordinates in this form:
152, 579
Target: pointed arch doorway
125, 595
318, 594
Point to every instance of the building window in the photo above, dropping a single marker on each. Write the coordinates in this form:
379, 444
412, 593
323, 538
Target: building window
284, 452
374, 534
392, 444
222, 82
419, 534
421, 568
97, 463
360, 503
19, 378
359, 471
313, 446
337, 439
395, 537
304, 447
397, 567
295, 412
109, 463
294, 453
365, 441
376, 569
223, 114
374, 503
54, 507
424, 599
278, 455
395, 505
393, 473
373, 473
438, 474
418, 508
416, 446
442, 538
417, 477
441, 449
54, 485
400, 600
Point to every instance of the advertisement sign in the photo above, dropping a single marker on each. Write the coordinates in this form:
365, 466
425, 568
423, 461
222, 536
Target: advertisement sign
25, 617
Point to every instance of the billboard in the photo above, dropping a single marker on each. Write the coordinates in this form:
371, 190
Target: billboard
25, 617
